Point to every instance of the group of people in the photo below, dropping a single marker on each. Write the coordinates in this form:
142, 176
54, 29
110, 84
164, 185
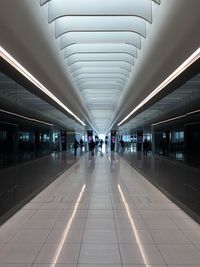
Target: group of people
91, 145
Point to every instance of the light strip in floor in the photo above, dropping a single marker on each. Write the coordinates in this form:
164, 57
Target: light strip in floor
135, 231
66, 230
13, 62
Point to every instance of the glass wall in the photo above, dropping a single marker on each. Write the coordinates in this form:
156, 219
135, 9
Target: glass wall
30, 146
173, 165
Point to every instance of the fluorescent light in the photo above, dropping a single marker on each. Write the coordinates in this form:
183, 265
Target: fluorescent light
66, 230
26, 118
134, 228
195, 56
13, 62
192, 112
172, 119
176, 118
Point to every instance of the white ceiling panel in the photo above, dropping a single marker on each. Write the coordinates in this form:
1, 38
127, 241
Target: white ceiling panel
100, 57
100, 48
103, 23
71, 38
60, 8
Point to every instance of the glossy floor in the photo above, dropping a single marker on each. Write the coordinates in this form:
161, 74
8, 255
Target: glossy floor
101, 212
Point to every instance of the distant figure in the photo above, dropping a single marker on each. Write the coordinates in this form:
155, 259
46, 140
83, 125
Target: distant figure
145, 147
101, 143
76, 144
81, 144
122, 143
163, 145
92, 147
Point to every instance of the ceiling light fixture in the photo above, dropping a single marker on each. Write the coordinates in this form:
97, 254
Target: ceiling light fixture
176, 118
13, 62
189, 61
24, 117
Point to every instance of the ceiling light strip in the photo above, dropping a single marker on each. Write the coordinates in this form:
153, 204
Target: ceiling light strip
24, 117
13, 62
176, 118
188, 62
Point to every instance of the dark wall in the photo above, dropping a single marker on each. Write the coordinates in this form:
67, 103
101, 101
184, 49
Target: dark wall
176, 171
30, 156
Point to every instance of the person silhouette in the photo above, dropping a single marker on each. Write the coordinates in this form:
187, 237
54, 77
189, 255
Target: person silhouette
76, 144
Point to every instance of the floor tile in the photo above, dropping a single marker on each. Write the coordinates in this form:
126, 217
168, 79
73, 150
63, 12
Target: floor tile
15, 265
100, 265
180, 254
107, 236
74, 235
100, 223
58, 253
169, 237
6, 233
143, 254
99, 254
141, 236
144, 265
76, 222
30, 236
157, 220
53, 265
19, 253
193, 235
102, 213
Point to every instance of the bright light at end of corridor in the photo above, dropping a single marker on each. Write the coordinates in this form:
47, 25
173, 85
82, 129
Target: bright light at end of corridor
135, 231
66, 230
13, 62
188, 62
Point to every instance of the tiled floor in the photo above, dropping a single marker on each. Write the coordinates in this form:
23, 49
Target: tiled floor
101, 212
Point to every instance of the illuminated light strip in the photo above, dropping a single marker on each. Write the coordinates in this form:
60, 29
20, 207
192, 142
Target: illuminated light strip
192, 112
66, 230
13, 62
176, 118
23, 117
195, 56
137, 237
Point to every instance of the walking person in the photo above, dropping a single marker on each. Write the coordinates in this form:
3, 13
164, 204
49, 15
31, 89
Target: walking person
76, 144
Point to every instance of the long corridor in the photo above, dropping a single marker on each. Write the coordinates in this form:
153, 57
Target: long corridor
100, 212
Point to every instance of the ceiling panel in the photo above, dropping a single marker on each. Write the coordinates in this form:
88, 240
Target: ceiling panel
100, 41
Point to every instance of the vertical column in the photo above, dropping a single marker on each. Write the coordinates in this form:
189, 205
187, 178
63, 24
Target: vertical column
89, 138
113, 140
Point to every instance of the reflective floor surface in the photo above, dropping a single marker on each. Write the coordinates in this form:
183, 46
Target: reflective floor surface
100, 212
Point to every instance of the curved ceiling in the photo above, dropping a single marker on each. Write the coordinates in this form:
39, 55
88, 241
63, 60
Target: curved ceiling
100, 40
100, 58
